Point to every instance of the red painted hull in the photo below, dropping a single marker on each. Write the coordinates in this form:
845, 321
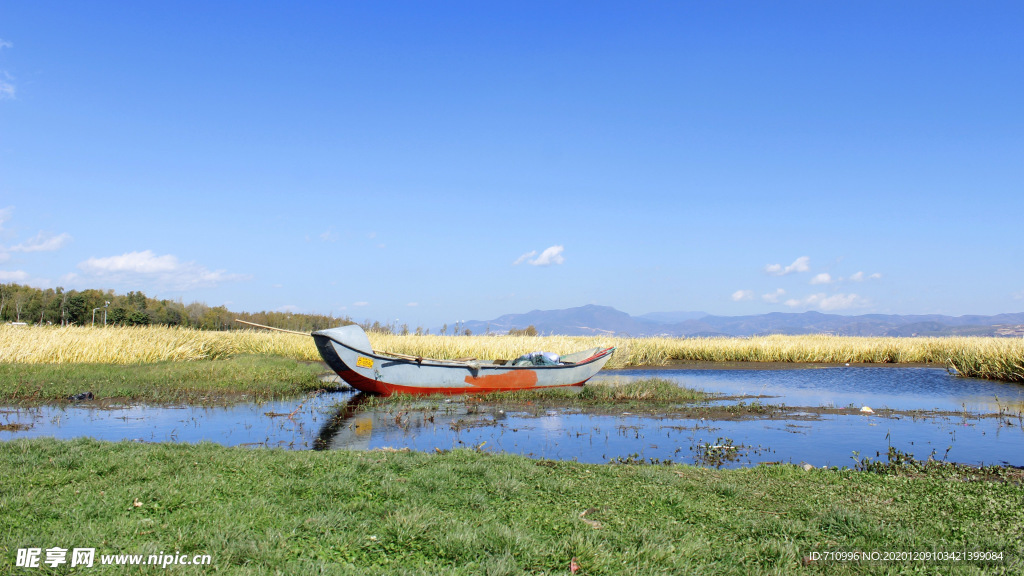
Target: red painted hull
365, 384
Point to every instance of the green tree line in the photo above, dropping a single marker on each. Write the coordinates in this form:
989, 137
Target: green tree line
57, 306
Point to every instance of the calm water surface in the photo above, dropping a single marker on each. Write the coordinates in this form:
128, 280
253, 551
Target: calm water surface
971, 434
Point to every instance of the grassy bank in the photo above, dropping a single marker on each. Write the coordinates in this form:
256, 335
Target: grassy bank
995, 358
245, 377
268, 511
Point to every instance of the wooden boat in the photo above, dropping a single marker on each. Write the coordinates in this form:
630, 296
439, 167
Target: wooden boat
348, 352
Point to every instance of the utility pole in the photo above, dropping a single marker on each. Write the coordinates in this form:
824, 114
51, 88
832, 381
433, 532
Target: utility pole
104, 308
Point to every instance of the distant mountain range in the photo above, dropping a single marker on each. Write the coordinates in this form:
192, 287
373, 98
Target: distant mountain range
595, 320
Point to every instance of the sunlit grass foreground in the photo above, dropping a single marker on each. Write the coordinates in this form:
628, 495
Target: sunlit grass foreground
996, 358
469, 513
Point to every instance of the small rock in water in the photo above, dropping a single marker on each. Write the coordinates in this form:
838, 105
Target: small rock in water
82, 396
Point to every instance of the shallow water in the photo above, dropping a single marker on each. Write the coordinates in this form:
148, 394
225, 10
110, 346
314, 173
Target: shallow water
877, 387
266, 424
963, 434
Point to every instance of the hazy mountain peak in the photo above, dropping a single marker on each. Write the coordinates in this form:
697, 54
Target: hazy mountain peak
593, 319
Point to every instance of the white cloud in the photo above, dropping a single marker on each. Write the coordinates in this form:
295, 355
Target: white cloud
158, 271
773, 297
823, 278
144, 262
328, 236
859, 277
741, 295
841, 302
413, 304
825, 302
360, 303
288, 308
42, 242
801, 264
13, 276
6, 88
551, 255
524, 257
1019, 295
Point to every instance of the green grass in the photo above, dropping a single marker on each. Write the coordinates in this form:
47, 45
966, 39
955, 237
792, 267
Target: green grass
248, 377
463, 512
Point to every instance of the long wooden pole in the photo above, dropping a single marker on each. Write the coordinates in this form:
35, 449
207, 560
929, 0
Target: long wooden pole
271, 328
395, 354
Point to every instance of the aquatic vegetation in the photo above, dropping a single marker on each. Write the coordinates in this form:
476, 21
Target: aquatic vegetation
717, 454
644, 395
899, 463
650, 392
1008, 366
994, 358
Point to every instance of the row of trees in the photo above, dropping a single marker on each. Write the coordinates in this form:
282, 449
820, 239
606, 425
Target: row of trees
86, 307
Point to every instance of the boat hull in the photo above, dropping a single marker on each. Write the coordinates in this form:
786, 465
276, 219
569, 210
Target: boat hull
380, 374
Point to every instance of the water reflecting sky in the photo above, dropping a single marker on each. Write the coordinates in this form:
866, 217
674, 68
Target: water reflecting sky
832, 439
882, 387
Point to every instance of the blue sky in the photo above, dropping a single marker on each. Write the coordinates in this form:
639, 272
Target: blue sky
439, 161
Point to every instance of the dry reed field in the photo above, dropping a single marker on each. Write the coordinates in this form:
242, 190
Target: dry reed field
996, 358
141, 344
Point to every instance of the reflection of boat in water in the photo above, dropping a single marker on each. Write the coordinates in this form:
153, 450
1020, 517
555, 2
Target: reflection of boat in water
344, 421
348, 352
351, 428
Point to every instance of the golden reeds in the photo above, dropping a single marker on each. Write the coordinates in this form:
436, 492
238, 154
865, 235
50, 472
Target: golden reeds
997, 358
136, 345
969, 355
